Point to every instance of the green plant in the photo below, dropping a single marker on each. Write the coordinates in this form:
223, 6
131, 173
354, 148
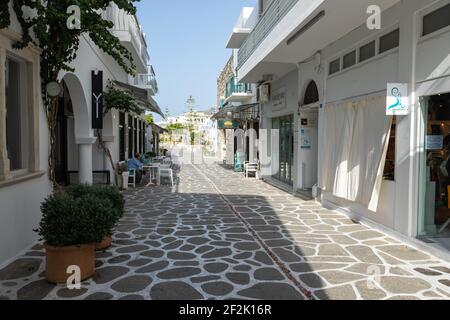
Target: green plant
109, 193
121, 168
68, 221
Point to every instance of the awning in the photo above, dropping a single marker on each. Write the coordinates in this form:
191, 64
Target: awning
142, 96
244, 112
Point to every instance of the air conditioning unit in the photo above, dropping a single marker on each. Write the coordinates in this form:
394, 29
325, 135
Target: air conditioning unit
264, 93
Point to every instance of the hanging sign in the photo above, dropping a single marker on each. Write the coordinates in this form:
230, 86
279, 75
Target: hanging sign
97, 100
228, 124
397, 101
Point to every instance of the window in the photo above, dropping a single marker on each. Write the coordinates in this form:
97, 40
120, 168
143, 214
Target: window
335, 66
436, 20
311, 94
349, 59
389, 41
122, 136
17, 132
366, 52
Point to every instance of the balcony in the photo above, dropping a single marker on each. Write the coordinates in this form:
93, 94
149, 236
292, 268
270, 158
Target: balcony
274, 13
237, 92
244, 26
291, 31
130, 33
147, 82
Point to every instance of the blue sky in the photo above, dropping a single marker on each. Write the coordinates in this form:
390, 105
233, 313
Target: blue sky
187, 41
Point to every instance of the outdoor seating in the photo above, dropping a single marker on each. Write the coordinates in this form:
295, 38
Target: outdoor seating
132, 178
251, 168
165, 172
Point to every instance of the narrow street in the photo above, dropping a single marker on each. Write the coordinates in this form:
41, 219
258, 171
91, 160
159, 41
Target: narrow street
217, 235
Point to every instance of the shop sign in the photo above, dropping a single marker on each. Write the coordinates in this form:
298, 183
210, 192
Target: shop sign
434, 142
279, 99
305, 140
97, 99
397, 101
228, 124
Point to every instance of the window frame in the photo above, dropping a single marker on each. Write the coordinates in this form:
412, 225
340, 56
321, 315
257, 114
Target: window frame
30, 58
422, 14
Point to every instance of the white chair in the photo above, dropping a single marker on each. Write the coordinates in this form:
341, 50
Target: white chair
165, 172
251, 168
132, 178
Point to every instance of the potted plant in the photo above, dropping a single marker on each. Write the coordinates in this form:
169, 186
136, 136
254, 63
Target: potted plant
107, 193
122, 171
70, 227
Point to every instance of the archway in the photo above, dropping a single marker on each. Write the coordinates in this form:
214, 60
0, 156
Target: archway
311, 94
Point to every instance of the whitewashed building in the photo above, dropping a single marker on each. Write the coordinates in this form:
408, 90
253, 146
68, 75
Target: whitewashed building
327, 66
24, 182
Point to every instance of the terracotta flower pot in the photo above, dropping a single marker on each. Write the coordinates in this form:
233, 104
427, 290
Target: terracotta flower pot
58, 259
105, 244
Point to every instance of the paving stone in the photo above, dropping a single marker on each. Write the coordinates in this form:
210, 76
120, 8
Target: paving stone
445, 282
153, 254
364, 254
20, 268
312, 280
216, 267
271, 291
198, 240
332, 250
366, 235
264, 258
132, 249
187, 247
243, 256
186, 263
339, 277
139, 262
99, 296
278, 243
204, 249
132, 284
134, 297
157, 266
173, 245
308, 267
238, 278
219, 288
428, 272
66, 293
119, 259
442, 269
107, 274
204, 279
403, 285
177, 273
36, 290
286, 255
218, 253
404, 253
174, 290
369, 290
242, 267
337, 293
176, 255
268, 274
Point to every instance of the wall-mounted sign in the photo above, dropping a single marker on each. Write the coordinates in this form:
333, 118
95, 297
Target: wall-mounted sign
434, 142
97, 100
305, 140
397, 100
228, 124
279, 99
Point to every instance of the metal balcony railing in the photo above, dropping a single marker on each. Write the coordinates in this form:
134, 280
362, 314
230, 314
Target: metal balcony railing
146, 80
234, 87
273, 15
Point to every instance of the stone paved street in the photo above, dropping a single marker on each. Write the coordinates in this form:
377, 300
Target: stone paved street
217, 235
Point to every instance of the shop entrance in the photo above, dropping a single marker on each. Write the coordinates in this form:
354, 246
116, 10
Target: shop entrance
434, 220
285, 125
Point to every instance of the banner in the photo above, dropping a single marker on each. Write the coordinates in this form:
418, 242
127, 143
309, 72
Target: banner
97, 100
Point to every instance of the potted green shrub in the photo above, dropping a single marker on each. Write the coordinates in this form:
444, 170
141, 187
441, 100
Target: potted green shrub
123, 174
109, 193
70, 227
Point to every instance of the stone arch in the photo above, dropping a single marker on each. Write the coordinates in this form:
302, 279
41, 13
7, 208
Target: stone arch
311, 94
80, 106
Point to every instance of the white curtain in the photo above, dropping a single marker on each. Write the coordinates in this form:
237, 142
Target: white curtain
354, 143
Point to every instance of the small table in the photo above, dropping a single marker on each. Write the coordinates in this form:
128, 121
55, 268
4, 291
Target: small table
151, 167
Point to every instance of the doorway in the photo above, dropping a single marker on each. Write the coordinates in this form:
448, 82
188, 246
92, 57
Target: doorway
65, 111
285, 125
434, 220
